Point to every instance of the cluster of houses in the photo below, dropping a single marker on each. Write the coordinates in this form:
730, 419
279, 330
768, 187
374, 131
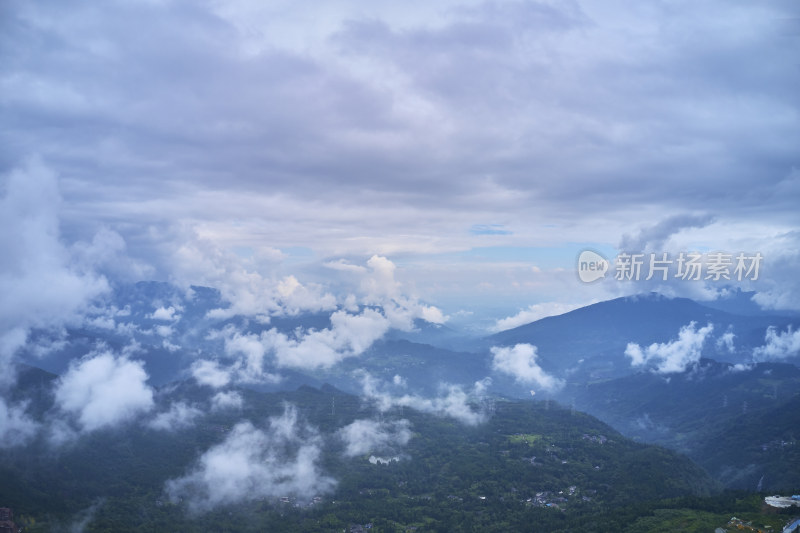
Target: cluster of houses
776, 444
289, 500
7, 521
557, 500
599, 439
793, 526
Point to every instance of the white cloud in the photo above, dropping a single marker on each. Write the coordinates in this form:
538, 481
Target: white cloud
210, 373
165, 313
103, 390
364, 436
519, 361
533, 313
778, 345
179, 416
226, 400
349, 335
375, 460
673, 356
380, 288
453, 401
253, 463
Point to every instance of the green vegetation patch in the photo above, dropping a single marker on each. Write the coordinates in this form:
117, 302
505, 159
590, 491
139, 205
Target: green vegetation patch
524, 438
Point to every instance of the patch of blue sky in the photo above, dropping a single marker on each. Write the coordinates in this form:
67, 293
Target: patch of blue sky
545, 257
489, 229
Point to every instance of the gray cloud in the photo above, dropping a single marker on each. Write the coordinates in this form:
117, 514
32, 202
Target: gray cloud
248, 159
653, 238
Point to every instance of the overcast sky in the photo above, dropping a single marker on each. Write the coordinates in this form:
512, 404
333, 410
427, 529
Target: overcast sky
477, 146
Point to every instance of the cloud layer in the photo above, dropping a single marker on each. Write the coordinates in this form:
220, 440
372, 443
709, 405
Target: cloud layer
411, 134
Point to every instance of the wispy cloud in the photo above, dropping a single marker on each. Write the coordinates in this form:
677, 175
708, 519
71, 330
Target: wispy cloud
533, 313
453, 401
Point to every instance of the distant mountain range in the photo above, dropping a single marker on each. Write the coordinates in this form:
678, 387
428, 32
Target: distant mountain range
707, 401
589, 343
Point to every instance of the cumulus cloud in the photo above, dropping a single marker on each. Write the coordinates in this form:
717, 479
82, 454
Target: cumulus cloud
364, 436
179, 416
453, 401
103, 390
778, 345
674, 356
248, 286
380, 288
165, 313
349, 335
253, 463
533, 313
519, 361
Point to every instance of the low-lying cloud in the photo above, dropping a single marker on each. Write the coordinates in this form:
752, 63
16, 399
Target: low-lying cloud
253, 463
675, 356
371, 436
453, 401
519, 361
103, 390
